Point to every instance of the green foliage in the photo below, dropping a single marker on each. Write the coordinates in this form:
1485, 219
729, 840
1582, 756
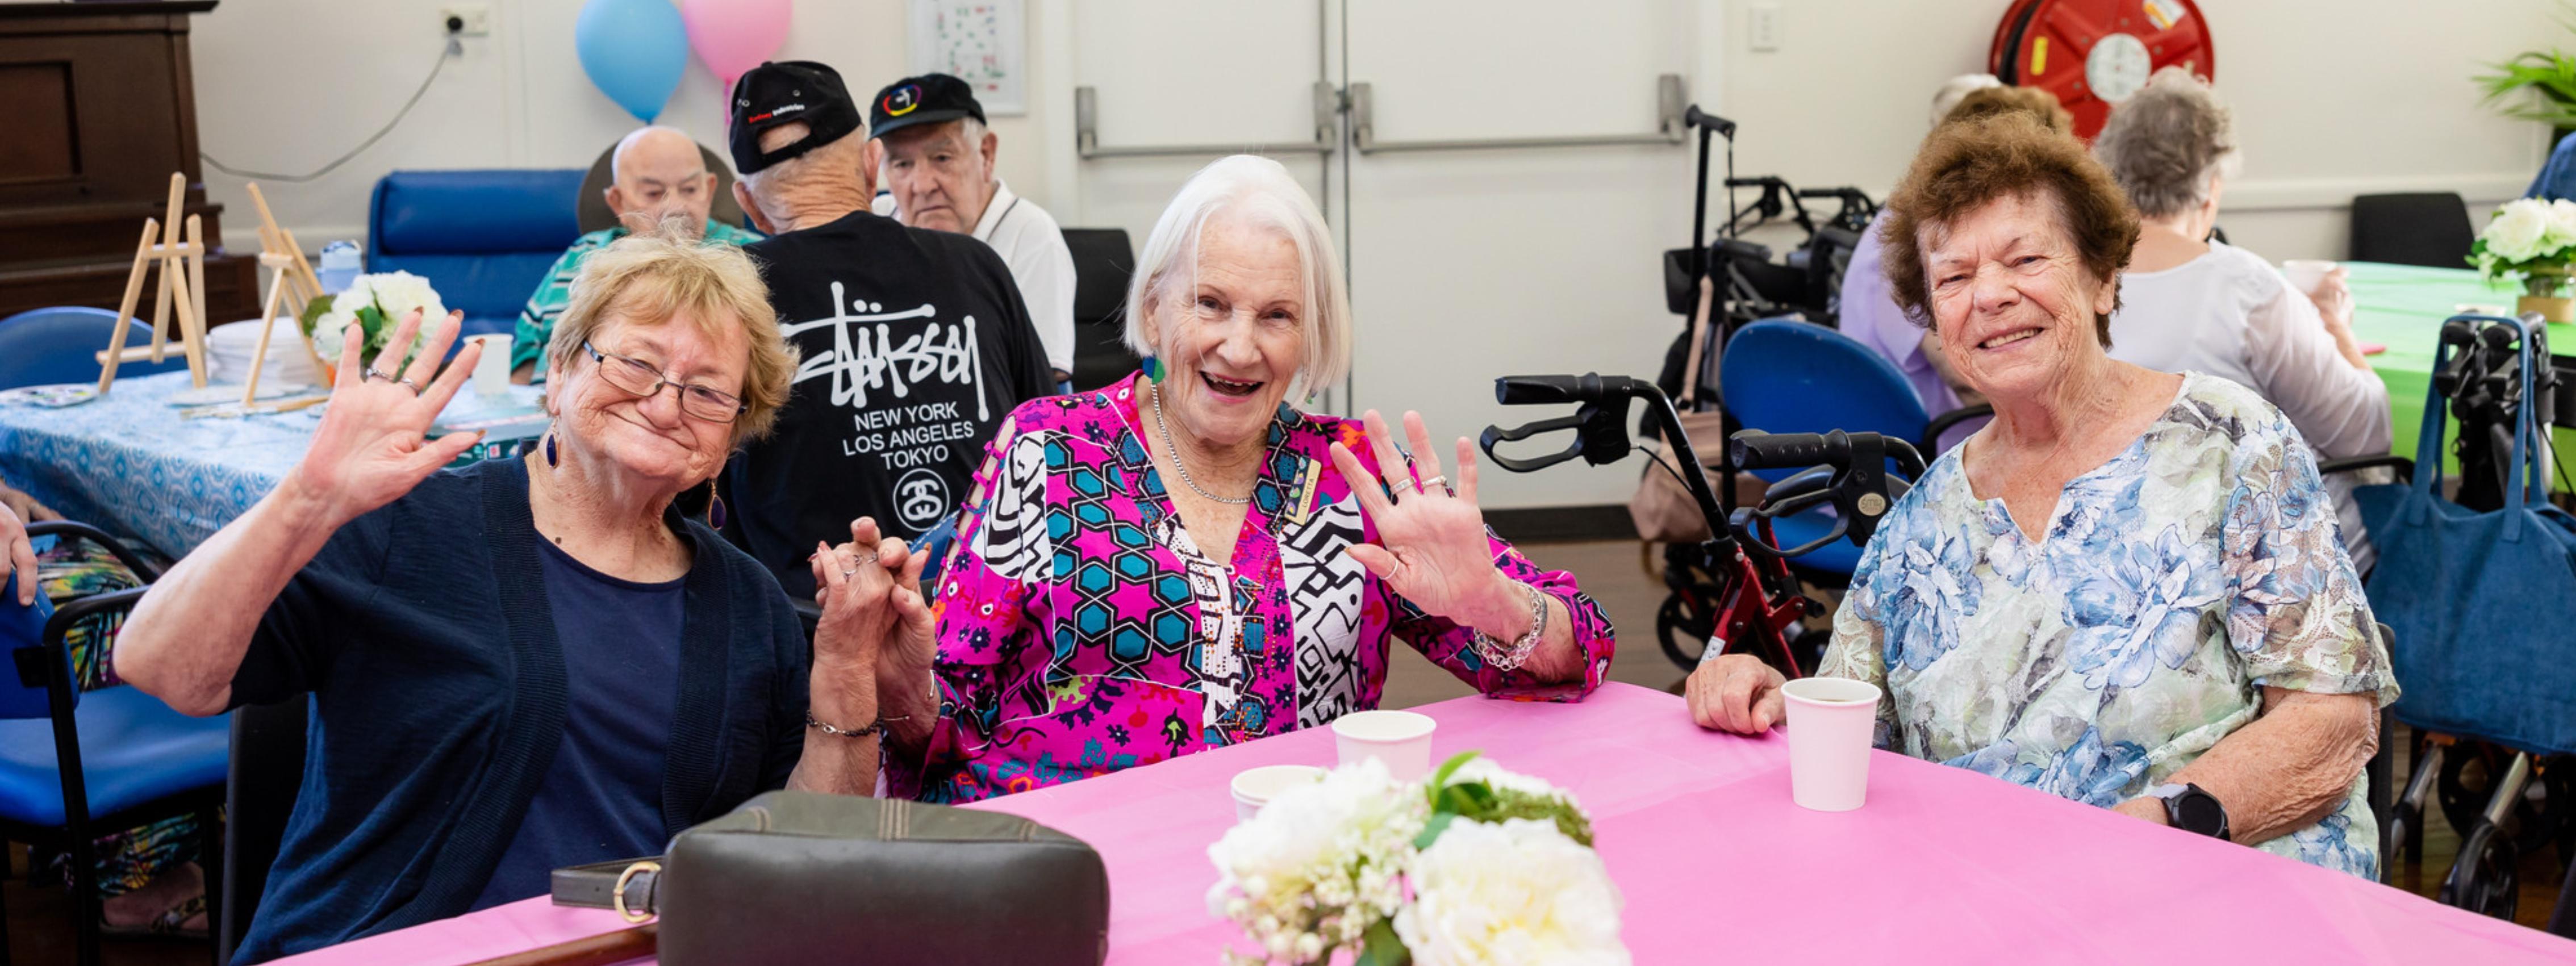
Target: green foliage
2551, 72
1485, 802
1381, 947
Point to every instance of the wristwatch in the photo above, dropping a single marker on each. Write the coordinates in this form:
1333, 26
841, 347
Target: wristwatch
2190, 809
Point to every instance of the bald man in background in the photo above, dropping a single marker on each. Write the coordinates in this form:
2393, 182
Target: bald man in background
657, 173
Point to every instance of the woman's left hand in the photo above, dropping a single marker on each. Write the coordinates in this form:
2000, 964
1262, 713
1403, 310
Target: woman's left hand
1432, 547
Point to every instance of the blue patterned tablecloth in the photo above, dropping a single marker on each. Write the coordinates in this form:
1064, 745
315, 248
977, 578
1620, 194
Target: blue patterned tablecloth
127, 462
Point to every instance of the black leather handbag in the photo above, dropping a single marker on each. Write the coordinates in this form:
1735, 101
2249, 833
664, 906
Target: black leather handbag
801, 877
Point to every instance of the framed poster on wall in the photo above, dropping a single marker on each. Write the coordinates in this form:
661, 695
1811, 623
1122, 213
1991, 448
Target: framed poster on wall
983, 42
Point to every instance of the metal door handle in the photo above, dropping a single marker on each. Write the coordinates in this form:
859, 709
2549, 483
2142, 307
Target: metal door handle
1671, 97
1086, 132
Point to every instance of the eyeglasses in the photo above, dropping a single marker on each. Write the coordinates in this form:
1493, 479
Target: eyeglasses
645, 381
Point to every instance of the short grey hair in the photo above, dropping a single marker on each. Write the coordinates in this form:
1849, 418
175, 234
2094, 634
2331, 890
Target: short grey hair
1261, 191
2165, 144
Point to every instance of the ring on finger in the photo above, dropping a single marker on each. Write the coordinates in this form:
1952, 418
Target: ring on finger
857, 562
1402, 484
1436, 481
375, 373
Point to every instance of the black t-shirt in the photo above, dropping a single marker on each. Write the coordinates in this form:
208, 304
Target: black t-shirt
915, 348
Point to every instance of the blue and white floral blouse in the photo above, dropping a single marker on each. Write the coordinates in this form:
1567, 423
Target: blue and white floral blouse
2176, 581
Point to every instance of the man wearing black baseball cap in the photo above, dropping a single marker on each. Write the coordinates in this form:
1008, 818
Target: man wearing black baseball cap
937, 158
915, 343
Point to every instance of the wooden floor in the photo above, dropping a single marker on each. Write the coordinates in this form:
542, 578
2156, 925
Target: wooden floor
40, 931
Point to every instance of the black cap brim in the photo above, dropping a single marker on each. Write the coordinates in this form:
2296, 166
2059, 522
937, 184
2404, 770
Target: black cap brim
918, 118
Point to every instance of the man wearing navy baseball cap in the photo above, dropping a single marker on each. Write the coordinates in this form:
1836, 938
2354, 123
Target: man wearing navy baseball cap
915, 342
937, 160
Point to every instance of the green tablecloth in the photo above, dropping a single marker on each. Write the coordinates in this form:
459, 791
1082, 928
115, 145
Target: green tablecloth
2402, 307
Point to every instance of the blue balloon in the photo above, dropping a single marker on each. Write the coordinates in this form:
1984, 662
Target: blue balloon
634, 50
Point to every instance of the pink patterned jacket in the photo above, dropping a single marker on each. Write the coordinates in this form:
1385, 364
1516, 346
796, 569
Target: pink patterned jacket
1080, 631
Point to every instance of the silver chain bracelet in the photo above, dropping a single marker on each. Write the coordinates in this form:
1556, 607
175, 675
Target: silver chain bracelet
1510, 660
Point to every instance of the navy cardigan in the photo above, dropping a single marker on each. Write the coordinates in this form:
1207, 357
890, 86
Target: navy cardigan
423, 634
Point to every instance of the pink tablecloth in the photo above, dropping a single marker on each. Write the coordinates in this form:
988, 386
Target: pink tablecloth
1942, 866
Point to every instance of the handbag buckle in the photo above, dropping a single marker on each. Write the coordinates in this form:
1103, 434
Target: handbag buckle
617, 894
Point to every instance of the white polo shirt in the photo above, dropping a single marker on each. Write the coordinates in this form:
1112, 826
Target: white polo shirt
1030, 242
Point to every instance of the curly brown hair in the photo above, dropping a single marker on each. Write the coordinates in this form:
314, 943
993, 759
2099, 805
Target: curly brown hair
2036, 102
1969, 164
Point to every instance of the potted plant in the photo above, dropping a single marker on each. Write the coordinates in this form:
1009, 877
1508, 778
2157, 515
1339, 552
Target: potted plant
2531, 241
2550, 72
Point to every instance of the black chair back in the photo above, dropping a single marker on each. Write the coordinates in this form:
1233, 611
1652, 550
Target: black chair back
2429, 229
1103, 262
261, 783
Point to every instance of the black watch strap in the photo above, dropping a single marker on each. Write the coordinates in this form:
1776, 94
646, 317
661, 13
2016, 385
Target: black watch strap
2193, 809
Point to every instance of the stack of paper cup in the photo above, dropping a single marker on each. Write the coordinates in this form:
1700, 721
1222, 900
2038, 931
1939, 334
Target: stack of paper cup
1401, 739
1830, 720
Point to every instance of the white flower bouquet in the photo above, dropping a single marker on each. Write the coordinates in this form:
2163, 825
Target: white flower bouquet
377, 303
1475, 865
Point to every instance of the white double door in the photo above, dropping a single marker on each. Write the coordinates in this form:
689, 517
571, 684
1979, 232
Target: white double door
1465, 265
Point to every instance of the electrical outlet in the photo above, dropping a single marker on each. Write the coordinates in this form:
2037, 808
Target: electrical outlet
1763, 26
466, 19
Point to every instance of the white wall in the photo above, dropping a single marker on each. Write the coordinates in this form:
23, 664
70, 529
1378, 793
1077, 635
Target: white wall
285, 85
2332, 100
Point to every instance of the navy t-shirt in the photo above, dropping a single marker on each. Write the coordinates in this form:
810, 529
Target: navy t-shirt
602, 799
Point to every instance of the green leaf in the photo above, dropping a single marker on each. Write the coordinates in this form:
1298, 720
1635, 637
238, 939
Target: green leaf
313, 313
1381, 947
1431, 830
1440, 778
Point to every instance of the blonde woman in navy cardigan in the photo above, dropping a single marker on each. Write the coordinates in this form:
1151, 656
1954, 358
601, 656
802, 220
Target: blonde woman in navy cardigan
523, 664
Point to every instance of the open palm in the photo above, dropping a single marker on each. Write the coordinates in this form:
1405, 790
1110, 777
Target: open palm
1431, 547
373, 443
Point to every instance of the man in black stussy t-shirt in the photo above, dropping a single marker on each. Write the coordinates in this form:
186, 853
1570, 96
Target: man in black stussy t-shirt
915, 343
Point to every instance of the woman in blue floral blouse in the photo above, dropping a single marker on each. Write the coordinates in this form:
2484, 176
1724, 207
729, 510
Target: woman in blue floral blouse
2127, 590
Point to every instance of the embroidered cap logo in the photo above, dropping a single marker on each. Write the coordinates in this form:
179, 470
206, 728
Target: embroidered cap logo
903, 100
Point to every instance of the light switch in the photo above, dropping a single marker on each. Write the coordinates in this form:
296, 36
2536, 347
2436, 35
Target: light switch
1763, 26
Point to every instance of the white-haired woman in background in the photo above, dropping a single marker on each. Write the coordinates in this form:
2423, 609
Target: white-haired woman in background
2188, 303
1183, 561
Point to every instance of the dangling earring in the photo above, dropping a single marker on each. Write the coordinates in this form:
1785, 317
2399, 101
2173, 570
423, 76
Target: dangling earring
1154, 369
551, 459
715, 509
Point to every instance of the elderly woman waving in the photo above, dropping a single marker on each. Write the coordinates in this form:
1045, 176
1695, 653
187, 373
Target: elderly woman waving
2125, 591
520, 665
1182, 561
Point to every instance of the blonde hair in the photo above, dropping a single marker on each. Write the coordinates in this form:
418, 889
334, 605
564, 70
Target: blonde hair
1260, 191
648, 279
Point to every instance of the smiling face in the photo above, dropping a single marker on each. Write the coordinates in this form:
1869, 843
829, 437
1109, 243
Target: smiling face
2011, 299
1233, 337
649, 438
941, 179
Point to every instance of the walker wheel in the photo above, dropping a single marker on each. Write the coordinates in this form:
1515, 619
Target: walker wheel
1683, 624
2096, 53
2483, 881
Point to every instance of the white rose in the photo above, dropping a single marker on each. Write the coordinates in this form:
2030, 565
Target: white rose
400, 292
2520, 231
1509, 894
2562, 224
331, 328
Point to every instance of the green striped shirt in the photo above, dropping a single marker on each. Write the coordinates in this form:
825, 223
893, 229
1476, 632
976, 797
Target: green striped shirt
537, 321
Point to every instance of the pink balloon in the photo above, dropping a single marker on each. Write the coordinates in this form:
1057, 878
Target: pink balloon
734, 36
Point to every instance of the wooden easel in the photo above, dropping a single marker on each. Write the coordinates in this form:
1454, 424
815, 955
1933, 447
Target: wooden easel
181, 297
292, 281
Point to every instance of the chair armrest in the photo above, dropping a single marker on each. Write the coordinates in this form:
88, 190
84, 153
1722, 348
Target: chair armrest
124, 555
1931, 442
2405, 467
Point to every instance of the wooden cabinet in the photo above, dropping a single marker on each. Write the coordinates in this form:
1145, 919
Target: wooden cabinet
97, 107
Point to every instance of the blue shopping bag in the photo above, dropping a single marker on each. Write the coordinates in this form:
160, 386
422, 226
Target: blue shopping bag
2484, 604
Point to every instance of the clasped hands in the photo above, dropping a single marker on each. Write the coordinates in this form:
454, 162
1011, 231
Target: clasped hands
870, 593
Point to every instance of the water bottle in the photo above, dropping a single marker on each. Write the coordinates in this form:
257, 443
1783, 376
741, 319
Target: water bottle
340, 263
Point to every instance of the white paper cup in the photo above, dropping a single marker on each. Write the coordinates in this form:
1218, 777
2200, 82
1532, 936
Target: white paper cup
492, 372
1401, 739
1830, 720
2306, 274
1255, 787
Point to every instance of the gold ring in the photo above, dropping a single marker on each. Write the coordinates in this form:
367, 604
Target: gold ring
617, 895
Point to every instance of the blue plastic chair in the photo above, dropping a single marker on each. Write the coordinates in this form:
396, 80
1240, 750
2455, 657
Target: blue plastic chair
1787, 376
41, 347
75, 765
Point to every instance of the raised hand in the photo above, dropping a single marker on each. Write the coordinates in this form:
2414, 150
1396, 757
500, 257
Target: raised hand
1431, 547
372, 446
856, 584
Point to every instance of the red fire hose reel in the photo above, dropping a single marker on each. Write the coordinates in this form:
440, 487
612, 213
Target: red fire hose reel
2096, 53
